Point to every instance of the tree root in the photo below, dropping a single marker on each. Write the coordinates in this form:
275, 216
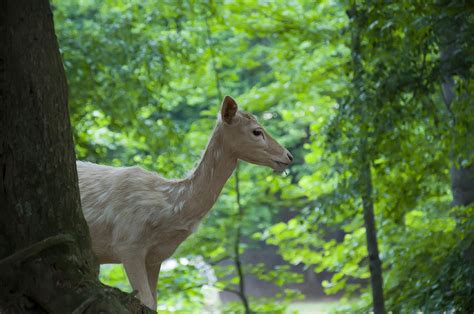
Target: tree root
35, 249
87, 303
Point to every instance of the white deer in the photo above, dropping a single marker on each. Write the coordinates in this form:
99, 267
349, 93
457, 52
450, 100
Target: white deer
139, 218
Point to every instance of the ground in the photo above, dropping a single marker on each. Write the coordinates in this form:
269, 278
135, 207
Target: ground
313, 306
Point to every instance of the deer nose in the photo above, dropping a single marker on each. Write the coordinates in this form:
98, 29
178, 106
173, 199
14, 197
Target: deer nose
290, 156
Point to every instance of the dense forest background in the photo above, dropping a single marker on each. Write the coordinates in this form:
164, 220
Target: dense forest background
374, 100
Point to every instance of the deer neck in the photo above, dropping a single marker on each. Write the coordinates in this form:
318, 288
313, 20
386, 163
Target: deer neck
202, 188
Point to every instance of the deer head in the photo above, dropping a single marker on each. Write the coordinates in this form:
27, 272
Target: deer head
246, 139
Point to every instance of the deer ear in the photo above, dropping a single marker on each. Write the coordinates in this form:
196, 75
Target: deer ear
229, 109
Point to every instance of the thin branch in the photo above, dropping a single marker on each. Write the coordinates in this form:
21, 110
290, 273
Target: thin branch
237, 261
214, 263
232, 291
213, 60
194, 286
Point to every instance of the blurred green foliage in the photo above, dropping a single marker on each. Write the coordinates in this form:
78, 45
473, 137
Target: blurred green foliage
145, 81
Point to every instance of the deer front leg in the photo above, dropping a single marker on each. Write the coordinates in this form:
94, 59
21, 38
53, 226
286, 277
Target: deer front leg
153, 272
135, 268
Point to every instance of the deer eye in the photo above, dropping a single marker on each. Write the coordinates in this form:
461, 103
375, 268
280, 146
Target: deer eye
257, 132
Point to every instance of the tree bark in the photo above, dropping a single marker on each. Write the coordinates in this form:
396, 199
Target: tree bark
375, 265
462, 185
462, 176
365, 175
46, 262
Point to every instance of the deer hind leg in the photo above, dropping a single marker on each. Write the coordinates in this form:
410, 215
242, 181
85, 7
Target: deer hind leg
153, 272
135, 268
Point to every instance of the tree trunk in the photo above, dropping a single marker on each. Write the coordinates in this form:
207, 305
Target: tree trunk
375, 265
462, 185
365, 175
462, 176
46, 263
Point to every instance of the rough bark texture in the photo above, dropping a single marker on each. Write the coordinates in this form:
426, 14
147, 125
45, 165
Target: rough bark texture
46, 263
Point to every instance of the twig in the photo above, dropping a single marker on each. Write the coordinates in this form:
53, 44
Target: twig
232, 291
237, 261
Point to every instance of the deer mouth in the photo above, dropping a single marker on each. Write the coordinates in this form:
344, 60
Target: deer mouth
280, 166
